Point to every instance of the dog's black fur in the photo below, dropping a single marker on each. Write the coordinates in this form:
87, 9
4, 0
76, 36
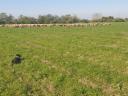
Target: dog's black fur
17, 60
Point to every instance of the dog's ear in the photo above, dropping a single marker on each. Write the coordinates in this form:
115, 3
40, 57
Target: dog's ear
12, 61
18, 55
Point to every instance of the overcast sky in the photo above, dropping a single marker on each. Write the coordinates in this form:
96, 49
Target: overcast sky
81, 8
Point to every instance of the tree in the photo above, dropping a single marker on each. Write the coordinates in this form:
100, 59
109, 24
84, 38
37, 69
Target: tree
126, 19
84, 21
69, 19
75, 19
41, 19
96, 17
119, 20
46, 19
56, 19
3, 18
53, 19
10, 19
26, 20
107, 19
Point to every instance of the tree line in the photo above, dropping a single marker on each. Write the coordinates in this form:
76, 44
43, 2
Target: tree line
54, 19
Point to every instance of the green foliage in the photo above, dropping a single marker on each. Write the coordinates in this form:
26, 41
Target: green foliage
54, 19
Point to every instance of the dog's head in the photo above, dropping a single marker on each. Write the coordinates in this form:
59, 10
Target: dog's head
18, 55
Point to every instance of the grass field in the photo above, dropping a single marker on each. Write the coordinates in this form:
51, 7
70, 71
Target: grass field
65, 61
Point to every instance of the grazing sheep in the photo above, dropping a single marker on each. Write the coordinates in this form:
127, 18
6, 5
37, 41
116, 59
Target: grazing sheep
62, 25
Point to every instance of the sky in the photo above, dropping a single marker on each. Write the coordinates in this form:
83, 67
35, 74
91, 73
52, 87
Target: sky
81, 8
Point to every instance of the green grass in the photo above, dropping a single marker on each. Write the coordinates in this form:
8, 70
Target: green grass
65, 61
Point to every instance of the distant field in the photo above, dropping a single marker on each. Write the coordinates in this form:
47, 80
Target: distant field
65, 61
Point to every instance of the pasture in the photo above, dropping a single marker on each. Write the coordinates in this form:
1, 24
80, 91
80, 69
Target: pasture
65, 61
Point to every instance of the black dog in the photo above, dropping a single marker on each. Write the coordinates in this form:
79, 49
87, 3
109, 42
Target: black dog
17, 60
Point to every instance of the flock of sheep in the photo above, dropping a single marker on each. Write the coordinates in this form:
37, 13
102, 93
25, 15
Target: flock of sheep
50, 25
